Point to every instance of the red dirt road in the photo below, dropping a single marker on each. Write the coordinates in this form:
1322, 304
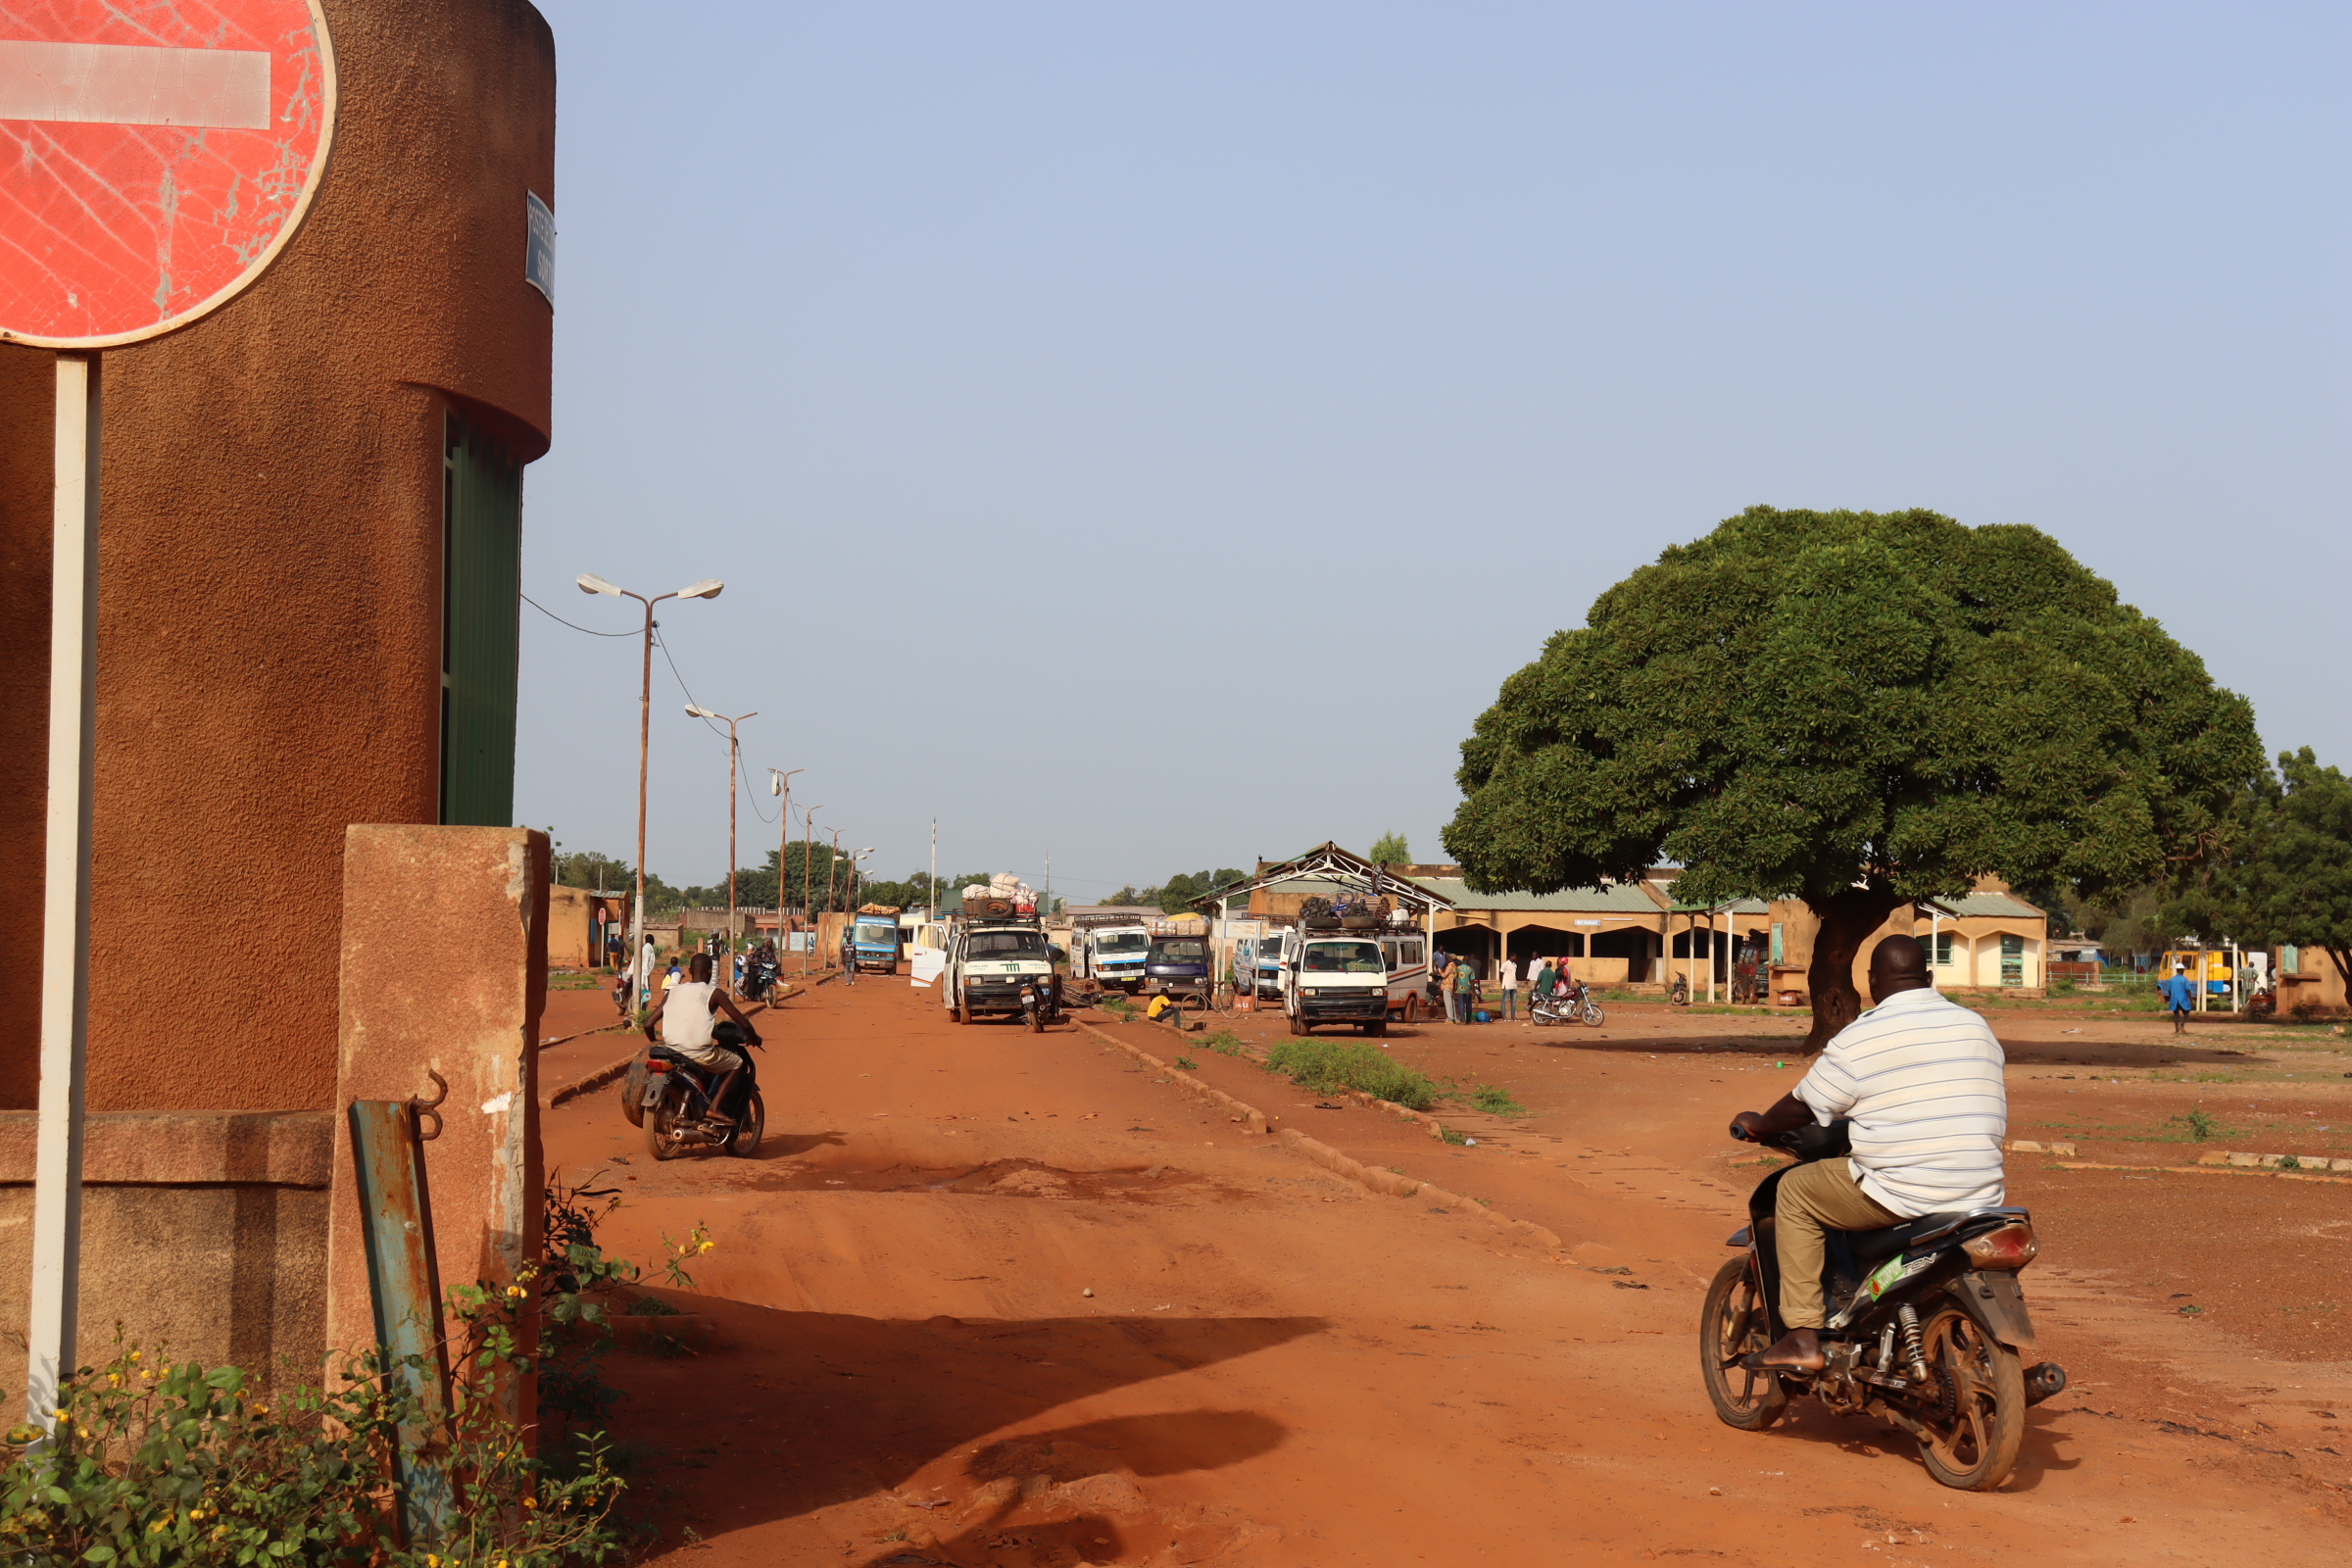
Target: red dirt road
1277, 1367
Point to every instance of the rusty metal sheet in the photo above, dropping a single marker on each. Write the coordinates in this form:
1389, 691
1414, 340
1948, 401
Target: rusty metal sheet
404, 1285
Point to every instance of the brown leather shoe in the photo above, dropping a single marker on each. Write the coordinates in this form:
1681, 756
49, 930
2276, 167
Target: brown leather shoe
1799, 1351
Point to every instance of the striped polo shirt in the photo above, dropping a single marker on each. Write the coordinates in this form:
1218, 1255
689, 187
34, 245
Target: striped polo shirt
1920, 1078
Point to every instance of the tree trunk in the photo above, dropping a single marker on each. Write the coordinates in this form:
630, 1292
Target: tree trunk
1847, 918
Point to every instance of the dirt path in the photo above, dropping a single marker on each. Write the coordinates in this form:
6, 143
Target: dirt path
1276, 1366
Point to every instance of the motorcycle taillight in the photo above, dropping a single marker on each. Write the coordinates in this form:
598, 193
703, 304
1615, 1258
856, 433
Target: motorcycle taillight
2007, 1250
657, 1066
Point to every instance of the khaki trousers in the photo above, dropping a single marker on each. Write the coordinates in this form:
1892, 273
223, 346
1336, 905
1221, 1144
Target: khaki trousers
1823, 1194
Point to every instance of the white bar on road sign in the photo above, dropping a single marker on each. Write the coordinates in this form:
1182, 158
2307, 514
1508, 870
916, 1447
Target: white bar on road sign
132, 85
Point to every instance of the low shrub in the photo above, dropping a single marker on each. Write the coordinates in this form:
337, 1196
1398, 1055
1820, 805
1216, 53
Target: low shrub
1327, 1065
1497, 1102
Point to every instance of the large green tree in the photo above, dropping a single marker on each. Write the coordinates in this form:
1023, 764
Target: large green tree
1391, 848
1856, 710
2287, 877
1176, 895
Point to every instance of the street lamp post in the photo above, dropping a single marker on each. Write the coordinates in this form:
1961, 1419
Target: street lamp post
780, 785
726, 981
708, 588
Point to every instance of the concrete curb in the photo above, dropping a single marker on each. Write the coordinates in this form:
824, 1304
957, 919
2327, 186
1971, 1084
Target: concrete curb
594, 1081
2212, 1170
1387, 1183
1254, 1119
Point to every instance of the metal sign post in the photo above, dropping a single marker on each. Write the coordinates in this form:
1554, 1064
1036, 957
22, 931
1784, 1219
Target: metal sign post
157, 160
66, 909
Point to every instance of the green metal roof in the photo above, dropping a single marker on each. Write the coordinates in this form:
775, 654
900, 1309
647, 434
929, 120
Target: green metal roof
1987, 903
1616, 897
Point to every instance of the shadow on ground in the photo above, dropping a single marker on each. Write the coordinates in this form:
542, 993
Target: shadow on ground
790, 1413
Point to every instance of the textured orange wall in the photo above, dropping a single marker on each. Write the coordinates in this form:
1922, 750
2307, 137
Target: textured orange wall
269, 572
28, 392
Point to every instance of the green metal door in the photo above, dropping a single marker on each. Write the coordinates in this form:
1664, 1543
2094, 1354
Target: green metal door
481, 587
2013, 960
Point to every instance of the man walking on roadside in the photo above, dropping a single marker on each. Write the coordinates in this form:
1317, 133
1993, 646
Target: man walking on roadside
2180, 994
1506, 973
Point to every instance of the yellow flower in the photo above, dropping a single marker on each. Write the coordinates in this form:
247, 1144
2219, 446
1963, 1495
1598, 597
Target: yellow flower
514, 1290
431, 1561
135, 1355
530, 1502
705, 1246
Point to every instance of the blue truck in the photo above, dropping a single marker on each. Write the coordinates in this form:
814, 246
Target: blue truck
874, 940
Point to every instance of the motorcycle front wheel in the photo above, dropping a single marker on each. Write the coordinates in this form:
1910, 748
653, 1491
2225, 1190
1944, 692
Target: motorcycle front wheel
1592, 1015
1731, 1324
750, 1127
1974, 1439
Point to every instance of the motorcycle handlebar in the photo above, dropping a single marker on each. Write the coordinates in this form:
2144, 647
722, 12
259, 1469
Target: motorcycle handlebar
1739, 1134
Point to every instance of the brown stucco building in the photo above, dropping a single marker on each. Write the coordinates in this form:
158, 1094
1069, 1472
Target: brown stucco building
309, 535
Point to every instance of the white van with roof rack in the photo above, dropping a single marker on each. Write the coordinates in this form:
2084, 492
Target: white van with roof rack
1335, 976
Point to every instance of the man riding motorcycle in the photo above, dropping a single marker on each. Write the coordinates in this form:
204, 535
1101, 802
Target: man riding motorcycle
1920, 1079
687, 1015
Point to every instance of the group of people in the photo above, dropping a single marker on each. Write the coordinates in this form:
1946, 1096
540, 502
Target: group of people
623, 981
1456, 984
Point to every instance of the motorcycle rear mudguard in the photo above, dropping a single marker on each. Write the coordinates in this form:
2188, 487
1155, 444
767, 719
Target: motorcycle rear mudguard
632, 1091
1997, 1302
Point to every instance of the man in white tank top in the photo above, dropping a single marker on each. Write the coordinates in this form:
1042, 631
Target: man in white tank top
687, 1015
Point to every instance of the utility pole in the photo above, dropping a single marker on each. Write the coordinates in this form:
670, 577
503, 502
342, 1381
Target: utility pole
726, 977
934, 870
780, 784
832, 862
808, 847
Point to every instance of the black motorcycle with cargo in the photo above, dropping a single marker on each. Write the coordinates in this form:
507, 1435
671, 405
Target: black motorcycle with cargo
1927, 1327
668, 1095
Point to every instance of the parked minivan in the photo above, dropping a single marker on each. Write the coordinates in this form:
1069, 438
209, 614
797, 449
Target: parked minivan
1178, 966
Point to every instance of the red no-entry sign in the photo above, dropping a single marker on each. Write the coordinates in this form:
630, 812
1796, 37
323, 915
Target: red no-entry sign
156, 158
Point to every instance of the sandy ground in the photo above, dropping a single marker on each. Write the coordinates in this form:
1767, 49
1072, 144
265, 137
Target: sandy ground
1275, 1366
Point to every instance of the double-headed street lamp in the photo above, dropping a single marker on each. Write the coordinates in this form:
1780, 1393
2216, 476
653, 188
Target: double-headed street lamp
727, 978
708, 588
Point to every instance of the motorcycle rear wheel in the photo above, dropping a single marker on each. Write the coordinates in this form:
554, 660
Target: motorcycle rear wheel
750, 1127
1730, 1324
1975, 1447
662, 1139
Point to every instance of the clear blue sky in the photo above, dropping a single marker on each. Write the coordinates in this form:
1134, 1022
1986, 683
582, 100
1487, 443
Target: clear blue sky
1151, 432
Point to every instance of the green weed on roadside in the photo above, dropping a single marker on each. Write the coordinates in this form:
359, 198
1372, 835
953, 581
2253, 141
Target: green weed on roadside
1498, 1102
1328, 1065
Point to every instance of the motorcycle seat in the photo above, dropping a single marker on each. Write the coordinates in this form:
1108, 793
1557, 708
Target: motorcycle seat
1876, 1247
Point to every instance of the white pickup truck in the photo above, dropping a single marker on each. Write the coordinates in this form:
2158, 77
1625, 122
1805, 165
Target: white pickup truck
1335, 977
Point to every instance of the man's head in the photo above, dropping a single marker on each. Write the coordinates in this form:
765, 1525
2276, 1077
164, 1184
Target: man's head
698, 967
1898, 964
